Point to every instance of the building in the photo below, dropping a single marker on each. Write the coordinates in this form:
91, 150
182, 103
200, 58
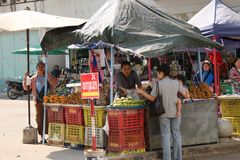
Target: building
13, 66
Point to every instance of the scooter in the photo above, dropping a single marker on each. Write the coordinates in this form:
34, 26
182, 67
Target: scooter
14, 89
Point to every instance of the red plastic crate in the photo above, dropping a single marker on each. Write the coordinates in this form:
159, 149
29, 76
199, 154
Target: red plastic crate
125, 139
123, 119
73, 115
55, 113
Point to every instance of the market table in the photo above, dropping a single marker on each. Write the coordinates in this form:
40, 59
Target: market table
199, 125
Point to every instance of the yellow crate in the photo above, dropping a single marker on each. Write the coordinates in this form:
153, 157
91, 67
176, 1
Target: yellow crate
74, 134
56, 132
230, 107
100, 116
235, 121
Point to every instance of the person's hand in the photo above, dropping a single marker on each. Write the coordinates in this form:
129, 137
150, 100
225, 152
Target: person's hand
178, 114
123, 90
139, 91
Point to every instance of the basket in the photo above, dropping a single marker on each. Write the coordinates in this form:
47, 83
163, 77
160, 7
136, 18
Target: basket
100, 116
73, 115
74, 134
230, 107
235, 121
56, 133
126, 139
55, 113
123, 119
101, 137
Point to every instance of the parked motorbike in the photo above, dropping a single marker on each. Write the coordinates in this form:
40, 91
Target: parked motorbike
15, 89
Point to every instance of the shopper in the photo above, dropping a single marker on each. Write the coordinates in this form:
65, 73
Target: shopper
235, 71
37, 87
207, 74
170, 121
127, 79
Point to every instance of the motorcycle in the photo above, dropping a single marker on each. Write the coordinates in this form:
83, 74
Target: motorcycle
14, 89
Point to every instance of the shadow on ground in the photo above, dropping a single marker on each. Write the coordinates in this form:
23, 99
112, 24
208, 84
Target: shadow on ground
66, 154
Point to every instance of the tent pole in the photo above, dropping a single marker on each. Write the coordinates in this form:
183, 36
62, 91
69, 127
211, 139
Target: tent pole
149, 69
111, 75
216, 87
28, 70
45, 93
200, 66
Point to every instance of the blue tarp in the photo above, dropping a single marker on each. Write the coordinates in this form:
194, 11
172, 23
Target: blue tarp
217, 19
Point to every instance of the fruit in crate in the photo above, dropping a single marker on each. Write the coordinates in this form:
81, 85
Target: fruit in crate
127, 102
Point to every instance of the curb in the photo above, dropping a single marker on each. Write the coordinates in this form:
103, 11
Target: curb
189, 152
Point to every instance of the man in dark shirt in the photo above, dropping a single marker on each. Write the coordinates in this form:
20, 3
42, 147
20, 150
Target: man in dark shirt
56, 71
127, 79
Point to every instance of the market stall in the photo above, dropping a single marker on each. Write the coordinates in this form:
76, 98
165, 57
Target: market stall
150, 41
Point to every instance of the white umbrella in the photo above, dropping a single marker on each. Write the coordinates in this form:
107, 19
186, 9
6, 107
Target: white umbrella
25, 20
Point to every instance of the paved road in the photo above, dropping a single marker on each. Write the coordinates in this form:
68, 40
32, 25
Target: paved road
230, 156
13, 119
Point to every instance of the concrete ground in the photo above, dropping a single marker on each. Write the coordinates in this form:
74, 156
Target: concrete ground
13, 119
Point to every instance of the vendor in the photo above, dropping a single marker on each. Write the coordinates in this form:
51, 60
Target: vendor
207, 74
235, 71
127, 79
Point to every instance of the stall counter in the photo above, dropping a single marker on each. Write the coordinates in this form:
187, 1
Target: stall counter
199, 125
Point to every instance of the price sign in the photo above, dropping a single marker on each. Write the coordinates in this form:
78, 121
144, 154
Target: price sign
89, 85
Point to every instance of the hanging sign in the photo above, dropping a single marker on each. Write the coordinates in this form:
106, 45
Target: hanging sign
89, 85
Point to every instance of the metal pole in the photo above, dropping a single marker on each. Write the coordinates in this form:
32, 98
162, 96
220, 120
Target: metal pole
28, 70
149, 69
93, 126
200, 66
111, 75
45, 93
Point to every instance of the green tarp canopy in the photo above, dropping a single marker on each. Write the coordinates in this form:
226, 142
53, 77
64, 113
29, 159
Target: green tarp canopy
37, 50
135, 27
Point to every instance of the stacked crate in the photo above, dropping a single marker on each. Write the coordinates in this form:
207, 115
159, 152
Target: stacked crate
74, 137
56, 126
230, 109
126, 130
100, 118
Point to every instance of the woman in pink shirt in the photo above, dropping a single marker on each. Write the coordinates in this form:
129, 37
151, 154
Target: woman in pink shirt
37, 87
235, 71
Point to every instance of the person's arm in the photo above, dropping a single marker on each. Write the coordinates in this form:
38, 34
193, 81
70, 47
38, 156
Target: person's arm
150, 97
179, 108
